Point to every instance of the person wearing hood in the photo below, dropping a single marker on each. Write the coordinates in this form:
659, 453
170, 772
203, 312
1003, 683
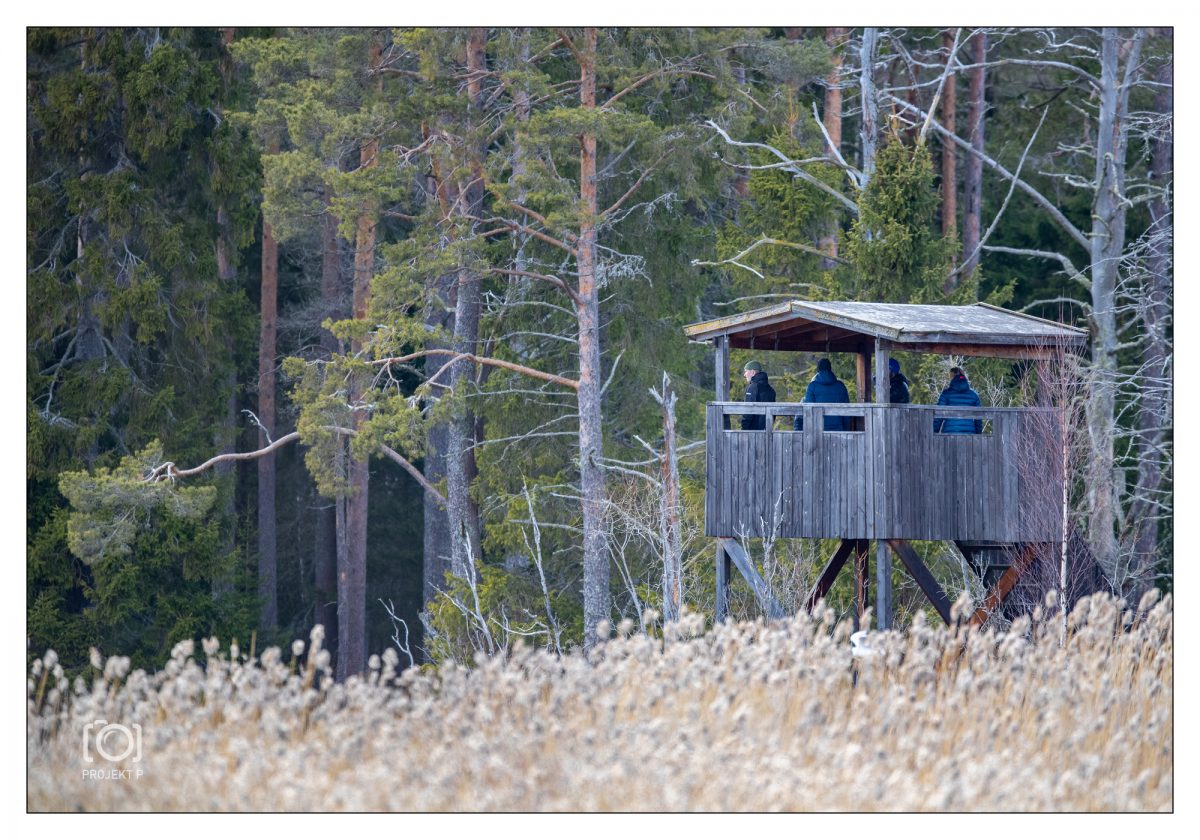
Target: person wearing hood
899, 384
825, 388
958, 393
757, 390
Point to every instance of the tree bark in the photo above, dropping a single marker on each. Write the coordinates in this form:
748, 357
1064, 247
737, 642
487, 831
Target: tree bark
465, 534
834, 37
352, 565
670, 512
267, 555
973, 172
325, 562
869, 127
949, 153
596, 598
227, 274
1107, 244
1154, 412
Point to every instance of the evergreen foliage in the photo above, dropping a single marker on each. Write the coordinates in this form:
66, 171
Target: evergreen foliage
898, 253
131, 338
141, 141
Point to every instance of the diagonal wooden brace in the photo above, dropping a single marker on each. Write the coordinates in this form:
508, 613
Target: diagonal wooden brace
1005, 585
762, 591
908, 556
829, 575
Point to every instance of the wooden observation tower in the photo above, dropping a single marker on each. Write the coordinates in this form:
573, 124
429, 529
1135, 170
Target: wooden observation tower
891, 478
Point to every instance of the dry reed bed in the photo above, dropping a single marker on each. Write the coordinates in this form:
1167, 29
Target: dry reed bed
743, 717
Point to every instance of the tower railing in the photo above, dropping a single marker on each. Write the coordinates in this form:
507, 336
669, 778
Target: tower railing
883, 473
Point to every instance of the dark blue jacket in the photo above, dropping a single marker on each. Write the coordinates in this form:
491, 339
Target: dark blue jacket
757, 390
898, 392
958, 393
825, 388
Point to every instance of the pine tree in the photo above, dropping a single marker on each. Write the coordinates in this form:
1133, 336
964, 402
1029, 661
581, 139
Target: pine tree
131, 329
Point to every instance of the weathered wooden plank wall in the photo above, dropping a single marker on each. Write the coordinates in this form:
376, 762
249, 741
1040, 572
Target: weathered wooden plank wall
894, 479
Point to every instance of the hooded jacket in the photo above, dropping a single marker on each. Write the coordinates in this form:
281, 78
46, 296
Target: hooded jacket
958, 393
898, 392
825, 388
757, 390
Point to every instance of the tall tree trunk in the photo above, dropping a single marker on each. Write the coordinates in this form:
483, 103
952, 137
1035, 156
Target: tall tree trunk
352, 565
834, 38
439, 304
267, 556
670, 511
973, 174
465, 536
227, 274
949, 154
325, 563
741, 177
89, 341
1107, 239
869, 126
1154, 412
596, 598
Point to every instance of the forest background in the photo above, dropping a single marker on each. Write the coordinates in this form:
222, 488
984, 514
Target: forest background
444, 268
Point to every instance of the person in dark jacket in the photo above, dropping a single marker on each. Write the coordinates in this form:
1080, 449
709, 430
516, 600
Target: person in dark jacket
825, 388
757, 390
958, 393
899, 384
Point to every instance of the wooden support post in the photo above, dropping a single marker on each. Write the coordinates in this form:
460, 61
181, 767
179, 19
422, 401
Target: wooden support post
861, 582
927, 582
721, 361
721, 344
722, 583
829, 574
862, 377
1004, 586
883, 587
882, 375
883, 560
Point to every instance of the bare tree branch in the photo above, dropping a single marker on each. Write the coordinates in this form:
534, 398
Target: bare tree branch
766, 240
937, 95
533, 275
1045, 255
481, 360
167, 471
1012, 185
854, 173
1043, 202
799, 173
664, 71
641, 179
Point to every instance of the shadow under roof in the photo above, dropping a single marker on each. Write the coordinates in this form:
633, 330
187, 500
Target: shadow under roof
978, 329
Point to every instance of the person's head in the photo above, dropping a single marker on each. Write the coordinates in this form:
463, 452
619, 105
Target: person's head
824, 364
751, 369
957, 373
893, 366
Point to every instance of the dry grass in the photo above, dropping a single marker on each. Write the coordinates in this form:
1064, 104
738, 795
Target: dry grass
743, 717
